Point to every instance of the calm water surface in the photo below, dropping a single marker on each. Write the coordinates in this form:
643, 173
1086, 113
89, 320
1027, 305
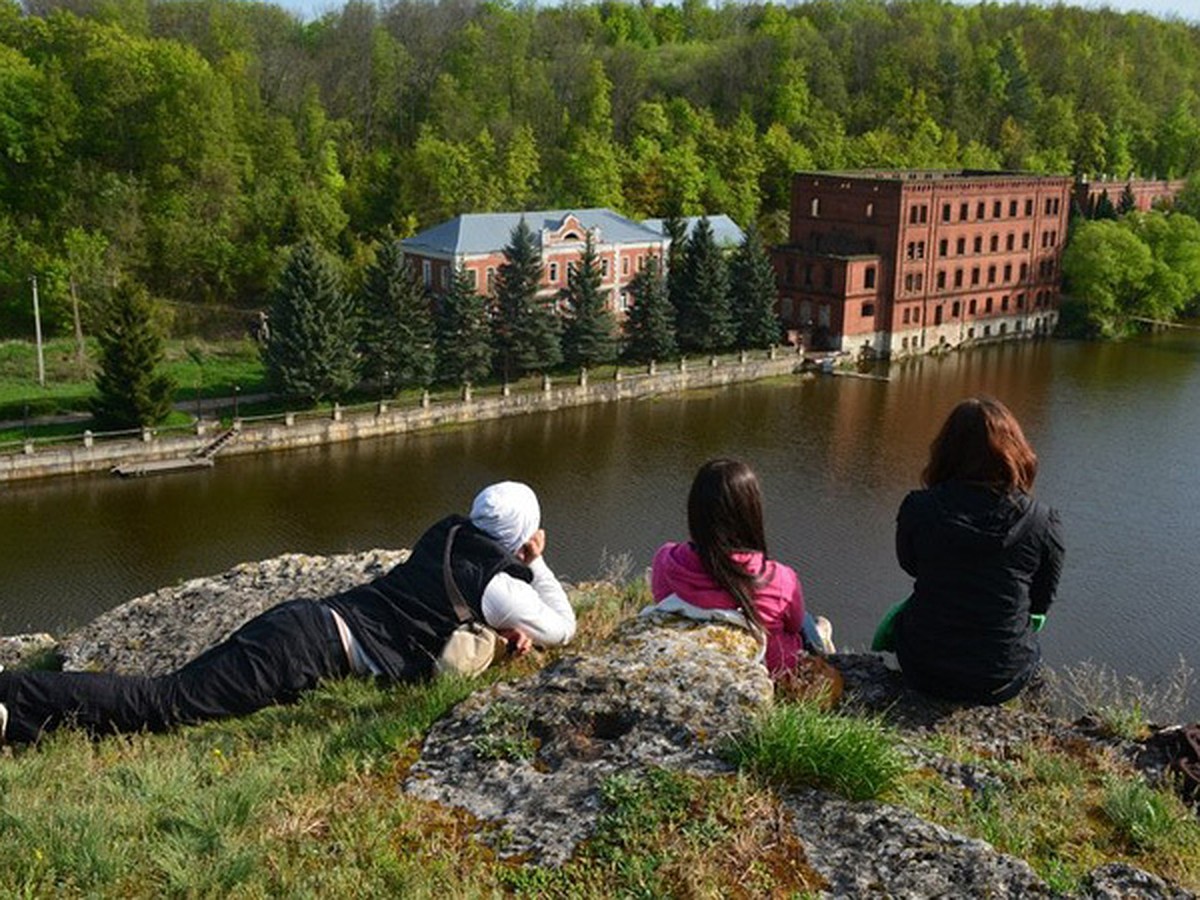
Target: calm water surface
1117, 429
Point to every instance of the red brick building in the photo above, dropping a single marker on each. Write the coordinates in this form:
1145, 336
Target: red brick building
476, 241
899, 263
1147, 193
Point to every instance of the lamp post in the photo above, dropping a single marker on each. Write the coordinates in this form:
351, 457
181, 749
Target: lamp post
237, 389
37, 329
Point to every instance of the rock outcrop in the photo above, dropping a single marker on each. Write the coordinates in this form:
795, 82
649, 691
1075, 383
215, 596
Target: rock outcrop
530, 756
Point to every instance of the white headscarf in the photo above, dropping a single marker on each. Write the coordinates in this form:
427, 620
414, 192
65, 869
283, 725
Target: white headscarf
508, 511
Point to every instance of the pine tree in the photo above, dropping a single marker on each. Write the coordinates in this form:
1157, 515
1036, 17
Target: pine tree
131, 392
1104, 207
526, 327
650, 323
705, 323
675, 228
311, 351
754, 294
1127, 203
396, 325
464, 353
590, 334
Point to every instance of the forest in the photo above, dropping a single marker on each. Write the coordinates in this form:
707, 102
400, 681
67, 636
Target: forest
188, 146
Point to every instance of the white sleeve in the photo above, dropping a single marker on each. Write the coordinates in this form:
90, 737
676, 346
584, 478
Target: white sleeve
540, 609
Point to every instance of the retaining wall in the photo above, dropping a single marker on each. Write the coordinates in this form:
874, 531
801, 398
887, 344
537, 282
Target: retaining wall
290, 432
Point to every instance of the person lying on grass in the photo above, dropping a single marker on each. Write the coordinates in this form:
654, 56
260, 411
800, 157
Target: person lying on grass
484, 568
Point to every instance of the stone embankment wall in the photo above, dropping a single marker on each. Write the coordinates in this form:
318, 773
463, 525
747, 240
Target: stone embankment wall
286, 432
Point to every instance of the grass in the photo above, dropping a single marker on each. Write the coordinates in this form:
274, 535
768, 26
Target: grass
1065, 807
1124, 705
795, 744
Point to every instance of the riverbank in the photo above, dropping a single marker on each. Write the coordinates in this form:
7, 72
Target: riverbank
580, 772
295, 430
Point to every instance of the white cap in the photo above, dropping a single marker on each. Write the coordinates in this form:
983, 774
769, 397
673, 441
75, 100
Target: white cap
508, 511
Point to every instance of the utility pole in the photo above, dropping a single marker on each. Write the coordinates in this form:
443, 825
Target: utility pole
37, 327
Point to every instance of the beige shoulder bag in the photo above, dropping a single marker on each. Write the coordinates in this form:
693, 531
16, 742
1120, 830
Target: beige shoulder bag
472, 646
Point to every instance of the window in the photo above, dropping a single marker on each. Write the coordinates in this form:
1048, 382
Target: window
1004, 304
1029, 206
907, 312
954, 309
958, 278
962, 212
1009, 241
991, 274
1048, 205
1007, 272
924, 213
917, 315
491, 279
553, 272
625, 265
945, 212
995, 243
473, 278
937, 314
1045, 238
912, 215
960, 246
943, 247
868, 309
941, 280
427, 272
970, 332
1003, 327
604, 268
1053, 238
971, 309
920, 249
869, 277
1025, 241
919, 281
904, 341
445, 277
1012, 208
979, 243
987, 305
980, 209
1020, 301
996, 207
975, 275
911, 250
908, 282
815, 207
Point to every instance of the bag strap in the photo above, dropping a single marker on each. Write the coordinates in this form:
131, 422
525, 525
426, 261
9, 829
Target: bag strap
461, 610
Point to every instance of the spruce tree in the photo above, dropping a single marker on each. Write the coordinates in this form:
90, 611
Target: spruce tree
705, 322
590, 334
526, 327
754, 294
464, 353
396, 324
310, 354
131, 392
650, 322
1104, 207
675, 229
1127, 203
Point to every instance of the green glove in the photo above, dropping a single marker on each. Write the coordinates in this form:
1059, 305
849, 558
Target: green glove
1038, 621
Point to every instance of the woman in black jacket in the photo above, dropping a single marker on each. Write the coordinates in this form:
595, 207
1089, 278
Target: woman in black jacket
986, 558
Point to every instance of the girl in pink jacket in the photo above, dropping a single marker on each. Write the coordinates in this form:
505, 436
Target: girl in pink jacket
725, 566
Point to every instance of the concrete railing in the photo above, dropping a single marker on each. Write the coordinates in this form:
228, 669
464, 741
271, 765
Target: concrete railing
287, 431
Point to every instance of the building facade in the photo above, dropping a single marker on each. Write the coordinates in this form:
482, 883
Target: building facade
907, 262
476, 242
1145, 192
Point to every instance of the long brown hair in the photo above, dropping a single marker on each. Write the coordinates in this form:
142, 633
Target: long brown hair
725, 517
981, 442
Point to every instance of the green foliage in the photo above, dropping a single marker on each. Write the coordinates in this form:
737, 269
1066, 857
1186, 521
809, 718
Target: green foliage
130, 391
590, 335
1148, 818
754, 294
526, 327
795, 744
396, 322
311, 351
705, 320
464, 352
650, 322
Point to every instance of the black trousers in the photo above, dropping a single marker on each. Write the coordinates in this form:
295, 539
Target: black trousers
271, 659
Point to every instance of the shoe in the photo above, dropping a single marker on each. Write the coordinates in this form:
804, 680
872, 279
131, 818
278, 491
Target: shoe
825, 630
3, 721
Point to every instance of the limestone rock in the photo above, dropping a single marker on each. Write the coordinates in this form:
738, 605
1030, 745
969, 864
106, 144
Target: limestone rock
1120, 881
159, 632
532, 755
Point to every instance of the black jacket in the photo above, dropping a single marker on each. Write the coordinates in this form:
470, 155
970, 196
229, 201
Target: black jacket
983, 562
404, 618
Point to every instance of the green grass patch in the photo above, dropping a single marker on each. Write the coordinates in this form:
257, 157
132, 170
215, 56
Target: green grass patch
795, 744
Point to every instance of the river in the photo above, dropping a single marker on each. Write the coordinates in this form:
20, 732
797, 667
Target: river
1116, 427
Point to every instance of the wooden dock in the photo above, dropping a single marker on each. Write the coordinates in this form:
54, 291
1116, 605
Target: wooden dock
161, 466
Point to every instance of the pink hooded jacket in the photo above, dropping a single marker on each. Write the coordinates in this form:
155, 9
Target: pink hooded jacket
778, 599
